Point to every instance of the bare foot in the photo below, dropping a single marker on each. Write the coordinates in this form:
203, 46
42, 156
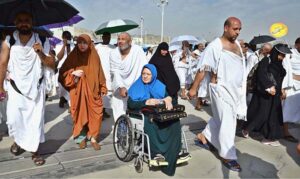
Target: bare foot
202, 138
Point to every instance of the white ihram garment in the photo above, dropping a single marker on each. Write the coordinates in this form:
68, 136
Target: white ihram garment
225, 96
203, 87
62, 91
25, 113
291, 105
124, 73
104, 52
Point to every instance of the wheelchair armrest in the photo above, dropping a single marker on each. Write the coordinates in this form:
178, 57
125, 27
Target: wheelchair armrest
135, 113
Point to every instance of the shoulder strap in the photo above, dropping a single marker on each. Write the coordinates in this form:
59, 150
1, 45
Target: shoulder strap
12, 41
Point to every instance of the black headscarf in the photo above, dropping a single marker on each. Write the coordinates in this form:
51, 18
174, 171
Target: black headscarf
275, 63
165, 69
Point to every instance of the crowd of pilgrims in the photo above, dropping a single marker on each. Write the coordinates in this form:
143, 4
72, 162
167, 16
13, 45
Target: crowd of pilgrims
92, 78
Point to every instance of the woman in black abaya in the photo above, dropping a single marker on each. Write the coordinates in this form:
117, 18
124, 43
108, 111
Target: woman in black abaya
165, 69
264, 113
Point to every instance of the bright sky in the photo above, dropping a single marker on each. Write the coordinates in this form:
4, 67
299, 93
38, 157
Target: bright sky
201, 18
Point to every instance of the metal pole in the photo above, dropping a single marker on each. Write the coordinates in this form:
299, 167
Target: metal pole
142, 24
162, 4
145, 34
162, 21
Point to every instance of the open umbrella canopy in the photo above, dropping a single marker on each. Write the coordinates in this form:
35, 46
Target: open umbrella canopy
54, 41
261, 39
43, 11
178, 40
41, 30
174, 47
74, 20
115, 26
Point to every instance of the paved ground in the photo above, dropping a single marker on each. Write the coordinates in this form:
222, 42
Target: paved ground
64, 159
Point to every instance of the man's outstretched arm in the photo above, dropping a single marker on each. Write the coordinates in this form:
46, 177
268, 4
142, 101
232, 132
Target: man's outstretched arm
4, 56
198, 78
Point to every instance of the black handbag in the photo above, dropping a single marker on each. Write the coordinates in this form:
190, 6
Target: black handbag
159, 113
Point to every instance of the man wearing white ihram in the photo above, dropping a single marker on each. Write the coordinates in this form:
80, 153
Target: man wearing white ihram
25, 59
291, 87
224, 58
182, 61
104, 49
203, 88
63, 50
126, 63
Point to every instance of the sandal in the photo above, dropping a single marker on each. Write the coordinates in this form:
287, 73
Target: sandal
37, 159
95, 145
82, 144
159, 157
204, 102
232, 165
198, 108
290, 138
16, 150
245, 133
201, 144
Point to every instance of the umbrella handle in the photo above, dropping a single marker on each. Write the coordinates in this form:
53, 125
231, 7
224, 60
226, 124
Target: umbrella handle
35, 41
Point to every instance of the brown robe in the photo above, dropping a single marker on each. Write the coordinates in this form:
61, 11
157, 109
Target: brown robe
86, 100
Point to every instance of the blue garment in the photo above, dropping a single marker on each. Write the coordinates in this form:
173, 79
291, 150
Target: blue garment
139, 91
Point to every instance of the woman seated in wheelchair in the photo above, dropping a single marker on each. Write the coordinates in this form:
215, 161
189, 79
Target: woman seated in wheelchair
165, 137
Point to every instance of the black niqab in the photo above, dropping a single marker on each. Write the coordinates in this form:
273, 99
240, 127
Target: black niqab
275, 63
165, 69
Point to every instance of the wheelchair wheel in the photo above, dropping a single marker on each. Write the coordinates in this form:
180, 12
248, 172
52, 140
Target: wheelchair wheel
123, 139
138, 164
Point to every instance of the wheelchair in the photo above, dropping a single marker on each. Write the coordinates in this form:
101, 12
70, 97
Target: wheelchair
129, 141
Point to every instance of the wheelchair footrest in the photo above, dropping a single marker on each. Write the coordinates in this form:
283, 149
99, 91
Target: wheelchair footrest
158, 163
183, 159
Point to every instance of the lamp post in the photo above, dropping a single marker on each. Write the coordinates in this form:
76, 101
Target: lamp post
142, 24
162, 4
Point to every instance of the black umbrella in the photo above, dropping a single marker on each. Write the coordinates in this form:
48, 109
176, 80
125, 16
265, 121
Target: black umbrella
261, 39
43, 11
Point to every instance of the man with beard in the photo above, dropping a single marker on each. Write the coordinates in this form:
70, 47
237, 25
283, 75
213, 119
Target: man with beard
254, 58
126, 63
24, 62
224, 59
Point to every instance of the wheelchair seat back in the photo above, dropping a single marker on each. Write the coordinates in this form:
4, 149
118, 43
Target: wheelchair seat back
137, 119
